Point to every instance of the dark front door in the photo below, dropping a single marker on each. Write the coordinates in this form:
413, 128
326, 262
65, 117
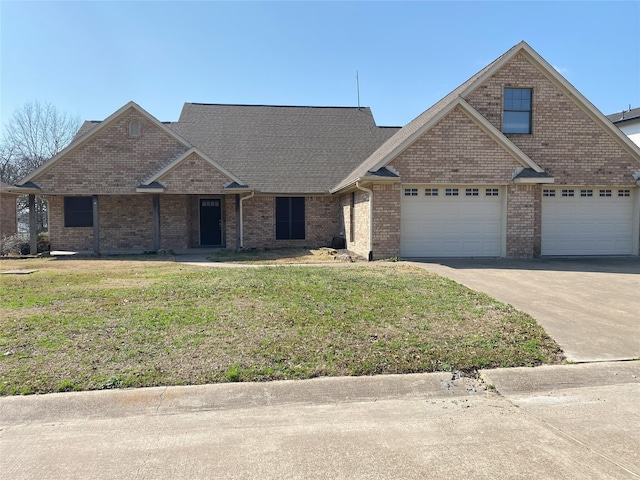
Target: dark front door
210, 222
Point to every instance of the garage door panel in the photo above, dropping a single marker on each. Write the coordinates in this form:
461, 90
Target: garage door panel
451, 226
587, 225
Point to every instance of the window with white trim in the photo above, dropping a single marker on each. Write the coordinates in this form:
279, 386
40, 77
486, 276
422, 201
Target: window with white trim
586, 193
605, 193
548, 193
451, 192
431, 192
624, 193
492, 192
471, 192
410, 192
568, 193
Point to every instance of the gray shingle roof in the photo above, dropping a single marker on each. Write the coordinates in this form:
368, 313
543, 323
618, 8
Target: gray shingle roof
283, 149
624, 116
531, 173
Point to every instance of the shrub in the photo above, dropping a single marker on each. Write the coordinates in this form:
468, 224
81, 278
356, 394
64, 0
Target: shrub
18, 244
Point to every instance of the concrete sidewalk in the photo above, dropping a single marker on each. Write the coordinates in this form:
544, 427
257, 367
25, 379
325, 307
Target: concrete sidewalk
569, 421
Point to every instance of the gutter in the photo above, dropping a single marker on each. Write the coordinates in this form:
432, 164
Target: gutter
370, 192
242, 199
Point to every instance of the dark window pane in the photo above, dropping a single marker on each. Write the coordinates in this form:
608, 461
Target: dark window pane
297, 209
282, 209
290, 218
297, 230
78, 212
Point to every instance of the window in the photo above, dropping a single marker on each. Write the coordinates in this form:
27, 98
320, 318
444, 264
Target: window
78, 212
410, 192
548, 193
134, 129
289, 218
471, 192
431, 192
451, 192
492, 192
517, 110
624, 193
586, 193
605, 193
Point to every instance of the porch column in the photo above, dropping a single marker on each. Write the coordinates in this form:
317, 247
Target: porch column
156, 222
96, 226
238, 220
33, 234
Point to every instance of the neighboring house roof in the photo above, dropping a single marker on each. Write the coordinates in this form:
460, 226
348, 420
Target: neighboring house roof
283, 149
625, 116
409, 133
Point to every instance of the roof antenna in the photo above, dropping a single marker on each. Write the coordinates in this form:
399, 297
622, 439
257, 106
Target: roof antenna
358, 87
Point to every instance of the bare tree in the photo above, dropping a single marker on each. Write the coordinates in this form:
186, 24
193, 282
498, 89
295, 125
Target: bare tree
36, 132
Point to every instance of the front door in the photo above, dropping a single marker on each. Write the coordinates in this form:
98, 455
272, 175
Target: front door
210, 222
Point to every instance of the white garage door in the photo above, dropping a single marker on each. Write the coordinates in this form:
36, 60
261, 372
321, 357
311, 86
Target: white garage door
587, 221
451, 221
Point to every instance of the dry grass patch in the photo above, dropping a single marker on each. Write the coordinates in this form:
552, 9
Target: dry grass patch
93, 324
283, 256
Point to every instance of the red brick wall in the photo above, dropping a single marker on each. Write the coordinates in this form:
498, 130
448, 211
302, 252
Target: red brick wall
8, 215
322, 218
112, 162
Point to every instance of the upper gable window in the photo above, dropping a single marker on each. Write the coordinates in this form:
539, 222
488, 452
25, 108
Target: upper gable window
134, 129
517, 110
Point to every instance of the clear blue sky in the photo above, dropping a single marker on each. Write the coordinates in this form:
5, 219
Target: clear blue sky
90, 58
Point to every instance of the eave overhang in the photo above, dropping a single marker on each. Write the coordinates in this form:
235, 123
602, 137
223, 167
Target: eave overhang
24, 189
153, 187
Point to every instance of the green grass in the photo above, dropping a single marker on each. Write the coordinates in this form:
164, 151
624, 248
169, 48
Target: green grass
95, 324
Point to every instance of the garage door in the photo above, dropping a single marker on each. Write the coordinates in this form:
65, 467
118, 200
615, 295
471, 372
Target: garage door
587, 221
451, 221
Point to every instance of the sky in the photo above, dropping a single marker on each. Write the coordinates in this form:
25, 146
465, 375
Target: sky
89, 58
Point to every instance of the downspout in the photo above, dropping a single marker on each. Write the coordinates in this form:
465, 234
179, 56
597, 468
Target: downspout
370, 192
242, 199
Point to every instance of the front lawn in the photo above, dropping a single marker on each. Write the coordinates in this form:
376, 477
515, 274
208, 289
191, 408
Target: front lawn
94, 324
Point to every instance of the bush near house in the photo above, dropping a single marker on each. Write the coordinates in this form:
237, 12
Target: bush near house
18, 244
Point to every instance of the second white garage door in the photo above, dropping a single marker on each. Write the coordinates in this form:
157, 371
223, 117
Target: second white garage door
587, 221
451, 221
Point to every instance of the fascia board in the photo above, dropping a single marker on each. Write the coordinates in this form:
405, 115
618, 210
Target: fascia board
542, 180
184, 156
104, 124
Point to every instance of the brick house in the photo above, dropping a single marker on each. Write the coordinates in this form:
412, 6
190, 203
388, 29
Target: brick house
515, 162
8, 212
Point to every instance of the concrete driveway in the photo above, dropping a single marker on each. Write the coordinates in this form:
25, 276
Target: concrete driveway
590, 306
